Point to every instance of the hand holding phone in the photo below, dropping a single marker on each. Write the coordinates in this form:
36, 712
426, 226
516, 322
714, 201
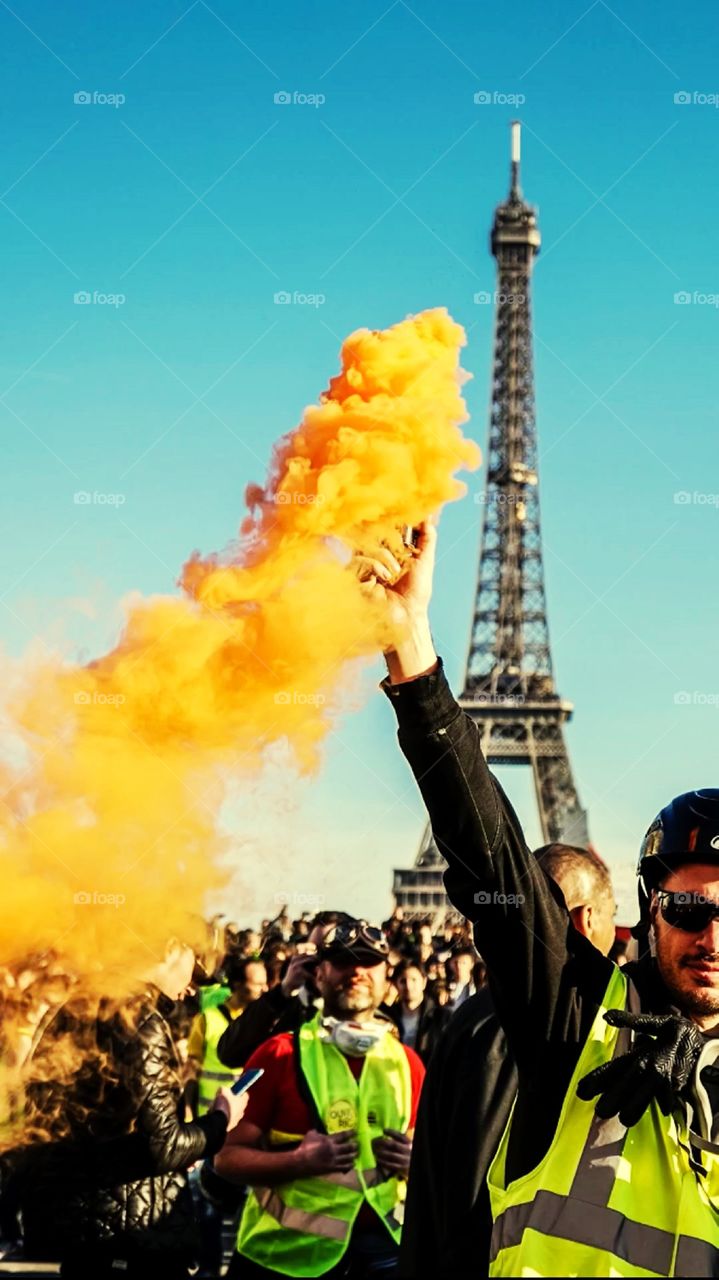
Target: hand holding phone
246, 1080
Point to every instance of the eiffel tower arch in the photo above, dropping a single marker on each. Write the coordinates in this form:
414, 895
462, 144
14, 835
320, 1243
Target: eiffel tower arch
509, 687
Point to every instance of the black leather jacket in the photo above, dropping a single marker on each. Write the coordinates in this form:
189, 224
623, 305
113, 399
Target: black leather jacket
115, 1183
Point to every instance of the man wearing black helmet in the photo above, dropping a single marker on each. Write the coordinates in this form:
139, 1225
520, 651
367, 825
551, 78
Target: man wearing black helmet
573, 1190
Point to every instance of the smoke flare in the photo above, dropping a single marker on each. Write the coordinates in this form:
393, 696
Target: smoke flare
114, 777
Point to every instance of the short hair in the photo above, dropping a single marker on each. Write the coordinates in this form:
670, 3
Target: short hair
408, 963
464, 949
577, 871
237, 969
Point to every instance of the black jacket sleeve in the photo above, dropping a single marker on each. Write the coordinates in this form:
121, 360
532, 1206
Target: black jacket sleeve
547, 980
267, 1016
172, 1143
541, 969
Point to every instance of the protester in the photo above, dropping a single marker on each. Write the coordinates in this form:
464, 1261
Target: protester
461, 967
286, 1005
326, 1141
104, 1190
468, 1094
574, 1192
419, 1020
247, 981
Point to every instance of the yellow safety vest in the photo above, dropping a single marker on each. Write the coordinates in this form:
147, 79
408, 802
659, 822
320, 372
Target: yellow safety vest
605, 1200
213, 1073
303, 1228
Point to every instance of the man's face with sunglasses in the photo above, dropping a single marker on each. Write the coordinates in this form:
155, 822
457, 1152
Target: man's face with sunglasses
685, 916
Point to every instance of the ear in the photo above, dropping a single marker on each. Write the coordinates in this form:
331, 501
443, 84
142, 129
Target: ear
581, 918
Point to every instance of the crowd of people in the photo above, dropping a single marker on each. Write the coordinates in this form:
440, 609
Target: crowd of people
520, 1093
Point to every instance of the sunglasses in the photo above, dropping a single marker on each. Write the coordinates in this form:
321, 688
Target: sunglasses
358, 931
688, 911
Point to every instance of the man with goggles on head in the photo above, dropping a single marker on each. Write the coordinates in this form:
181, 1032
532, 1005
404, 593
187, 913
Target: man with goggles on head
574, 1191
326, 1140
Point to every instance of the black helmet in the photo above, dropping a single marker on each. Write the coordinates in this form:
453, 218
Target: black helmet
686, 830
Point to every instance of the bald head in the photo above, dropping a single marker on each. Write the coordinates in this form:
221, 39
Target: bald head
587, 889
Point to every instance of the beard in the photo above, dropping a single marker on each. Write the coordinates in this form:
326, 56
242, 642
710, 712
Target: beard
702, 1001
343, 1002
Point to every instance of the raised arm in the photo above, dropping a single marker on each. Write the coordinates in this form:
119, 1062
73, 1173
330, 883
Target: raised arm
539, 966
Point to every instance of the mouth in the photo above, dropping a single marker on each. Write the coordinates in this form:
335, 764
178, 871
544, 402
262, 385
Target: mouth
705, 970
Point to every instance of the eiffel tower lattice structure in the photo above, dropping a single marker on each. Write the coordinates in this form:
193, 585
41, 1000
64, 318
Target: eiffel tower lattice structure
509, 687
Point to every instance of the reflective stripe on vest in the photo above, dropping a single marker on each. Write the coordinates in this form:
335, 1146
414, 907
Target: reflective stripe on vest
633, 1204
303, 1227
213, 1073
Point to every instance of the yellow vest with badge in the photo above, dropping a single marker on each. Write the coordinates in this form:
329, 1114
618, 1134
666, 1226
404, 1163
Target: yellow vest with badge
303, 1227
213, 1073
605, 1200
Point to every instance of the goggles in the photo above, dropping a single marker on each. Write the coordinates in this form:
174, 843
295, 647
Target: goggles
690, 912
356, 935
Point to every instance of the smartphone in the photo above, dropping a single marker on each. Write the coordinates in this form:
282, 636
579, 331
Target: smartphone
247, 1079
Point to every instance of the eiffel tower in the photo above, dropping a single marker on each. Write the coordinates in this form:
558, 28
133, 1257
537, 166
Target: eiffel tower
509, 687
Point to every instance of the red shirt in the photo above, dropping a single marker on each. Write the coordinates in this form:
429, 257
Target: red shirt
274, 1101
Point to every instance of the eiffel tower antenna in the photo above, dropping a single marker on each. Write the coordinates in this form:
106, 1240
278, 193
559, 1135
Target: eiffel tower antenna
509, 688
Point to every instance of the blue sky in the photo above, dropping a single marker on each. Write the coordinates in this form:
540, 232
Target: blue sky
199, 197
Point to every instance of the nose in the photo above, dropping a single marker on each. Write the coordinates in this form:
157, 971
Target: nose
709, 938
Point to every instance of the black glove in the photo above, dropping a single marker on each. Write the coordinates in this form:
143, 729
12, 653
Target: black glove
657, 1068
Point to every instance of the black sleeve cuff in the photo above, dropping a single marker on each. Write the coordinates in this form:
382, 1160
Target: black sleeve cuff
424, 705
214, 1127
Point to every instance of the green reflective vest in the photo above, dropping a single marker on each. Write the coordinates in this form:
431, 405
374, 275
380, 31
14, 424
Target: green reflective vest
605, 1200
213, 1073
303, 1228
215, 994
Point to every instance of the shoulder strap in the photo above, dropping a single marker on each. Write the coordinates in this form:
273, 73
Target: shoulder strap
303, 1087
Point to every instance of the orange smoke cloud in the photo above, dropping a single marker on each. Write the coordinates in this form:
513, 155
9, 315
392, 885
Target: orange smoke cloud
108, 832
